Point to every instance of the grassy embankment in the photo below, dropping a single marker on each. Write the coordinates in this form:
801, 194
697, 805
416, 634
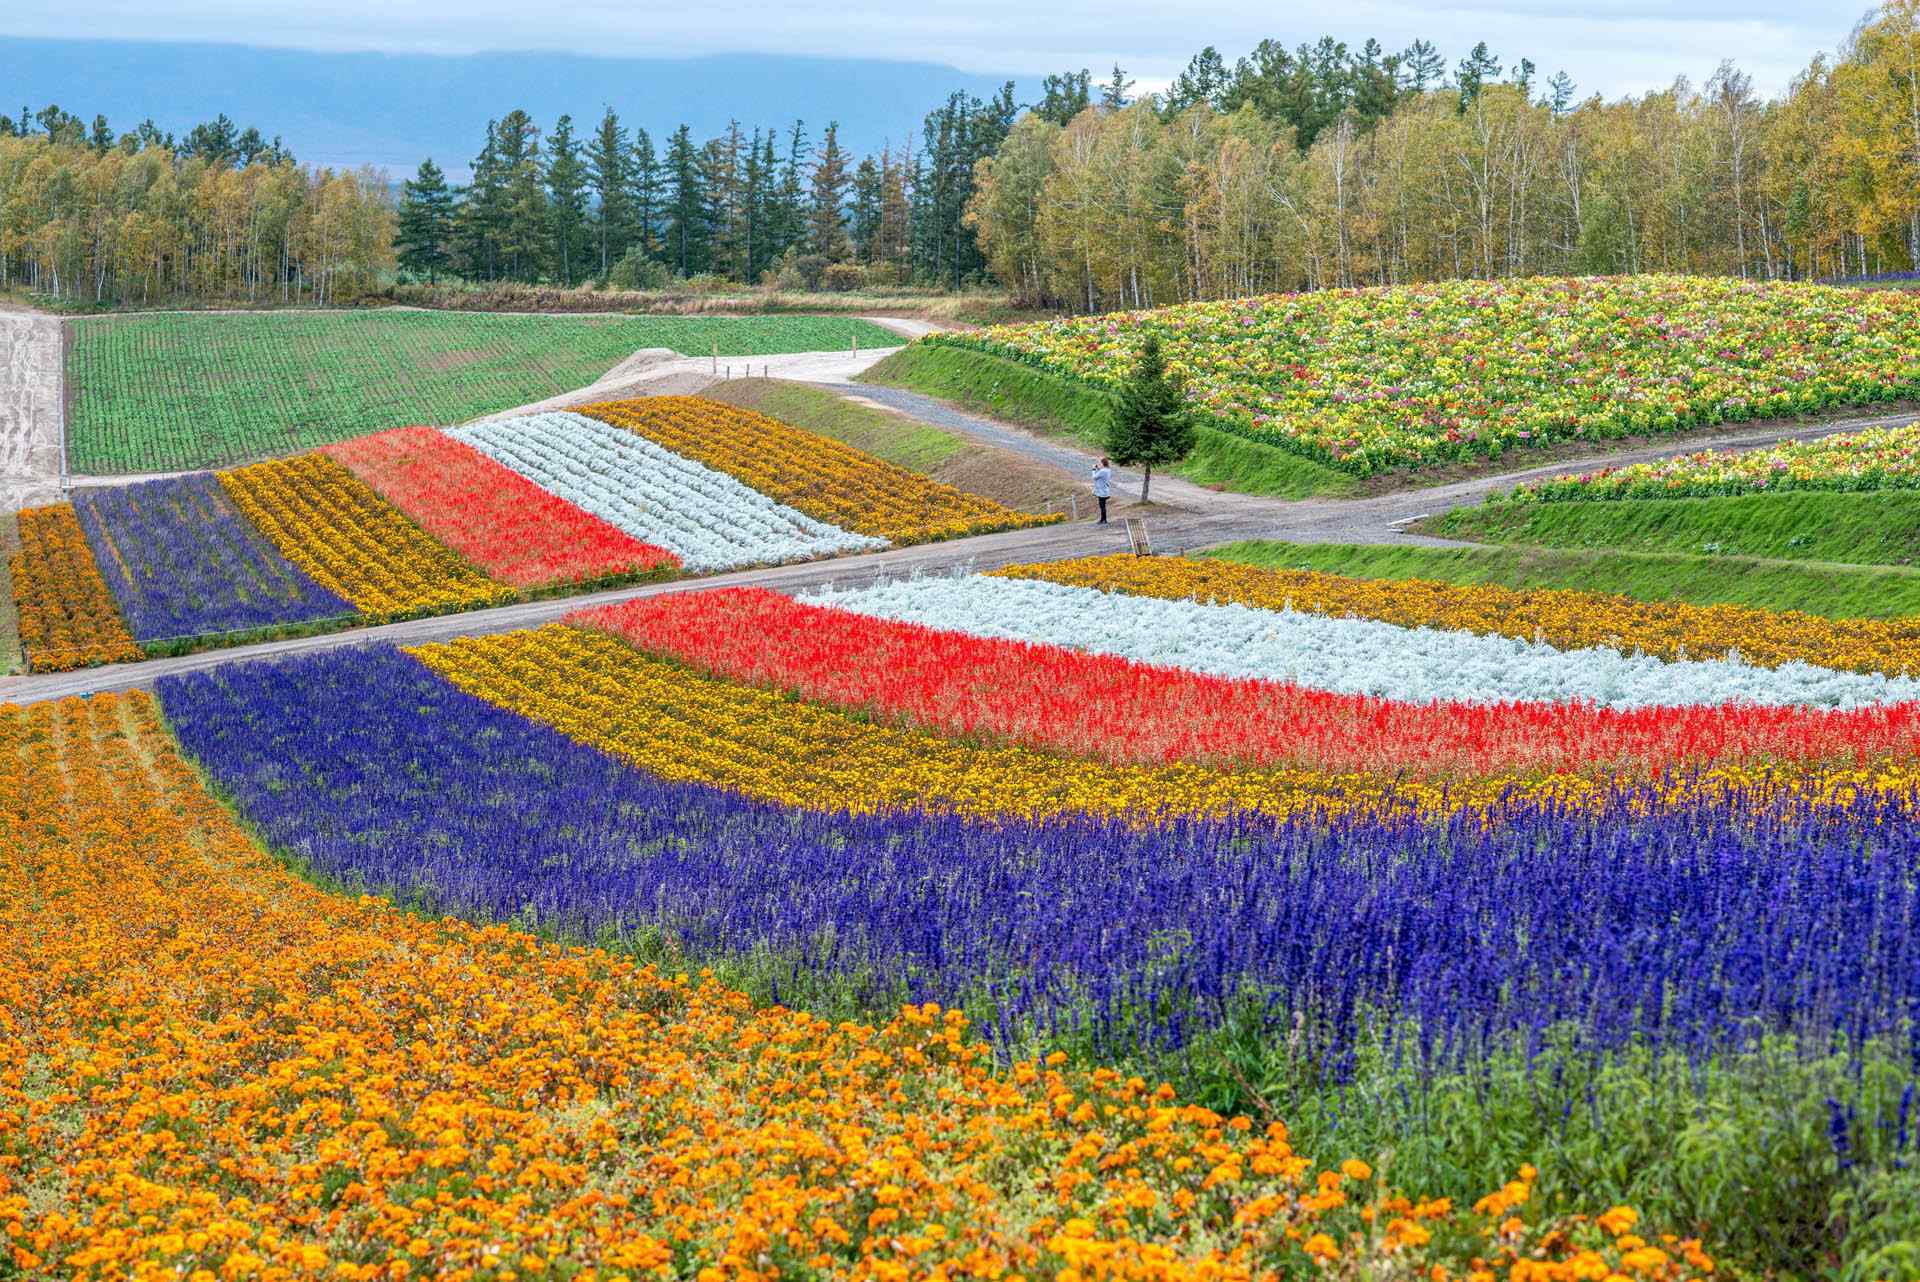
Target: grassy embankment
1021, 394
1878, 528
1000, 475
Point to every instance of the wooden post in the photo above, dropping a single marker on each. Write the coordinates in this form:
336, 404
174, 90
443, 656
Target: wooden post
716, 356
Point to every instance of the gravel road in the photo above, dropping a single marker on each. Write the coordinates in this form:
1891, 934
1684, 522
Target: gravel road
31, 387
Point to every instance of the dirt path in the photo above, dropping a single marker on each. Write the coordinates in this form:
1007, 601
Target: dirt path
676, 375
1374, 519
31, 386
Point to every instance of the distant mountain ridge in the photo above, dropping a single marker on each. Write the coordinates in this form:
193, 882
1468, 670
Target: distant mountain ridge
393, 110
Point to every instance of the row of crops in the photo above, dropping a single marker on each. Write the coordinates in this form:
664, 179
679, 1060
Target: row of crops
172, 392
415, 521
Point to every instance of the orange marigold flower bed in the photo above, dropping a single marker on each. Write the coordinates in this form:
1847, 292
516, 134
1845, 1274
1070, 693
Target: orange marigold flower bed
210, 1069
67, 616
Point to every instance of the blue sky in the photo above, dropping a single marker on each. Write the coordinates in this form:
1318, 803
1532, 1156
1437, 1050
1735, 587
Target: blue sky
1620, 47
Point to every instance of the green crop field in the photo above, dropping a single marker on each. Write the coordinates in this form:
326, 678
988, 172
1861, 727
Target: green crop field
167, 392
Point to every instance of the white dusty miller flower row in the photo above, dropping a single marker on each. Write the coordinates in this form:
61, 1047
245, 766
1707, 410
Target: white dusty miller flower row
1347, 655
706, 518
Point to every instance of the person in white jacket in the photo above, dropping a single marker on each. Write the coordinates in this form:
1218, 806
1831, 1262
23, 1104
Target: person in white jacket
1103, 485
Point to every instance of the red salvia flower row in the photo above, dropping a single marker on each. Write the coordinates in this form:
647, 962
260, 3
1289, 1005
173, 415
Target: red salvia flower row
517, 532
1122, 711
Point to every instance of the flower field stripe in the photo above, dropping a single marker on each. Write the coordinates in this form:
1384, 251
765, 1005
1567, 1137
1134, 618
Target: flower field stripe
827, 479
1562, 618
68, 618
183, 562
1469, 932
685, 727
1123, 712
1876, 458
1372, 379
497, 519
706, 518
209, 1068
1350, 656
326, 521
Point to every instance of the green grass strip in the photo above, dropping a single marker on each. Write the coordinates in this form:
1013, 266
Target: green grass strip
1858, 529
1830, 590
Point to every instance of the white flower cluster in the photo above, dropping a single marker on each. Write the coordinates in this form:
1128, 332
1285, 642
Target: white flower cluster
706, 518
1353, 656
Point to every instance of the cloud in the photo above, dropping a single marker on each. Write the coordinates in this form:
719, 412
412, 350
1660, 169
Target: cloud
1623, 46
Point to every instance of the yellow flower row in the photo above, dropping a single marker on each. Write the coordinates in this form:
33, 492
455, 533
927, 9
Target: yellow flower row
212, 1070
686, 727
330, 524
1566, 619
67, 616
824, 478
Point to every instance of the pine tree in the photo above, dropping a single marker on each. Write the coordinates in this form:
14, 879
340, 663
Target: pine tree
1477, 70
609, 175
524, 228
1151, 421
827, 212
723, 181
864, 226
1560, 102
1421, 67
894, 236
1066, 96
1114, 94
1204, 81
686, 205
425, 227
789, 213
482, 219
566, 201
643, 192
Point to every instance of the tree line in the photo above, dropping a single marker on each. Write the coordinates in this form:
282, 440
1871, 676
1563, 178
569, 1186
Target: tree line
223, 213
1326, 167
1312, 167
754, 204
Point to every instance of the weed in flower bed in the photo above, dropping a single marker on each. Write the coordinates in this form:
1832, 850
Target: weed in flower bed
497, 519
183, 563
1373, 379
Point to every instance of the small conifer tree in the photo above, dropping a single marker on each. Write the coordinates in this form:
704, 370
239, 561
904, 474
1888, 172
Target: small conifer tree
1151, 422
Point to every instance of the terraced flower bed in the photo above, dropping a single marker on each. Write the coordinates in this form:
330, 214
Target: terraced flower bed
1374, 379
417, 521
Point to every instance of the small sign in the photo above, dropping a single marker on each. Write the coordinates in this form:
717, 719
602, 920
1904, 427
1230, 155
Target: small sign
1137, 537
